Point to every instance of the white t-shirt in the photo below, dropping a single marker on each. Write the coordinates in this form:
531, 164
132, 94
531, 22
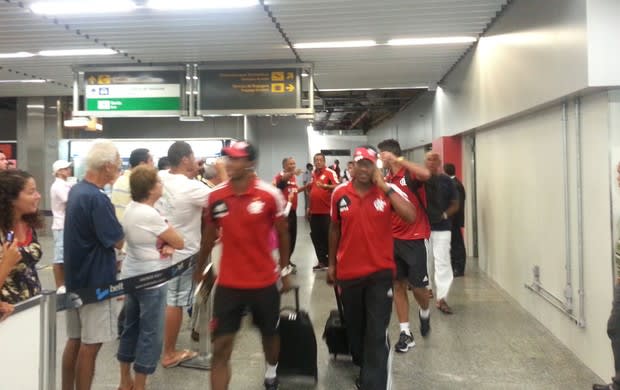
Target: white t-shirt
59, 194
142, 225
182, 204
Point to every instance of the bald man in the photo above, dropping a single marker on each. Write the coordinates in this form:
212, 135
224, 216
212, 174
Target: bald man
441, 231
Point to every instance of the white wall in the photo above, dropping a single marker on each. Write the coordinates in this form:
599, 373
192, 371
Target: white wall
280, 137
317, 142
412, 127
603, 34
614, 133
535, 53
522, 219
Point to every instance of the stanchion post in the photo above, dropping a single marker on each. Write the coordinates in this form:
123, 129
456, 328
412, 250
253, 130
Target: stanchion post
47, 351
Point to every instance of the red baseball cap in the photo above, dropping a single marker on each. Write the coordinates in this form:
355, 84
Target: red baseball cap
363, 153
240, 149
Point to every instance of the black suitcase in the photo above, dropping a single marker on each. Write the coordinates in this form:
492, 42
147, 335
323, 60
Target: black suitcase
335, 333
298, 351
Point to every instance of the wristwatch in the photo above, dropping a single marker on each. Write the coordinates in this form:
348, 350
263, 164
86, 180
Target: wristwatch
286, 270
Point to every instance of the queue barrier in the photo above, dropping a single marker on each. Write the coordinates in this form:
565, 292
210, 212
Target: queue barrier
19, 344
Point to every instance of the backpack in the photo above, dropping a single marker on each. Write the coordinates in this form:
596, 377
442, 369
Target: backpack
433, 208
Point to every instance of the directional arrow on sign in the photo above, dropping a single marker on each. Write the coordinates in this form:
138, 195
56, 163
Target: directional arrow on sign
290, 87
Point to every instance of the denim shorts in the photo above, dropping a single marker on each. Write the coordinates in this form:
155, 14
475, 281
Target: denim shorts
143, 333
181, 288
58, 246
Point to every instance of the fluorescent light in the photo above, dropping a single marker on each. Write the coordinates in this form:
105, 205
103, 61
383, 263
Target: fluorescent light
70, 7
334, 44
19, 54
22, 81
76, 122
372, 89
199, 4
430, 41
77, 52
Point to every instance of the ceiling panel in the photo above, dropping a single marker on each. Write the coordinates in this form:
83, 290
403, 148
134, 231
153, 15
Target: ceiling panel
249, 34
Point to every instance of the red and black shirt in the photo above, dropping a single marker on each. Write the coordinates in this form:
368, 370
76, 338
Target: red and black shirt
245, 221
366, 244
418, 229
319, 197
289, 188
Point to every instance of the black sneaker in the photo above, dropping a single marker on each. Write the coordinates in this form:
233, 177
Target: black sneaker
425, 324
405, 341
271, 384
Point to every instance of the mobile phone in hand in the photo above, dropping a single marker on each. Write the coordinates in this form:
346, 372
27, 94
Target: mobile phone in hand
10, 236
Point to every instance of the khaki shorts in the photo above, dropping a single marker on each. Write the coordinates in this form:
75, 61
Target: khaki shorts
94, 323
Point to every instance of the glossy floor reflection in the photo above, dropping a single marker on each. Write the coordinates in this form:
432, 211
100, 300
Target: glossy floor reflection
489, 343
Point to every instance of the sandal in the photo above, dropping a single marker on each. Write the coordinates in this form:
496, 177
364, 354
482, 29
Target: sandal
443, 307
183, 356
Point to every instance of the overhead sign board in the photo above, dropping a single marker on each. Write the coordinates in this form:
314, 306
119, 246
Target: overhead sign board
249, 89
126, 91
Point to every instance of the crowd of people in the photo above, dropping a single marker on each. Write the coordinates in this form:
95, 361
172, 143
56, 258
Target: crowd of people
373, 233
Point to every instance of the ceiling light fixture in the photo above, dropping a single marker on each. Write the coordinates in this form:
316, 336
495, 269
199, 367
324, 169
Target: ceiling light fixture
77, 52
170, 5
372, 89
430, 41
28, 81
72, 7
334, 44
19, 54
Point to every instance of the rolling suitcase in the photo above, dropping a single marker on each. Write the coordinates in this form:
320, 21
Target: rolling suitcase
298, 350
335, 333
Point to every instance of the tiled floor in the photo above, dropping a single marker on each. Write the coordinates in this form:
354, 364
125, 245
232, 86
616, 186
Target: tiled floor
489, 343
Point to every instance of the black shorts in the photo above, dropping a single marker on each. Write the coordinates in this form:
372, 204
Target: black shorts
410, 257
230, 303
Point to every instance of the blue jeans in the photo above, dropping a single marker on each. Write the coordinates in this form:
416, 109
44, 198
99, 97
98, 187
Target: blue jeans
143, 334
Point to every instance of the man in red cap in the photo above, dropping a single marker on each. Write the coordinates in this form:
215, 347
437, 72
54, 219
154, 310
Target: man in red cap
324, 180
361, 261
245, 209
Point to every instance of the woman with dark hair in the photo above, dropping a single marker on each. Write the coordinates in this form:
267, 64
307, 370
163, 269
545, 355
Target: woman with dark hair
19, 202
150, 242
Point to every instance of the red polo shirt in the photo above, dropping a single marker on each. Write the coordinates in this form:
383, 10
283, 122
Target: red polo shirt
291, 188
420, 228
366, 244
245, 221
319, 197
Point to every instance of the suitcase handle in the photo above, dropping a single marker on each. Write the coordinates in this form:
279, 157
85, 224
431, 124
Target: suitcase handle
339, 304
296, 289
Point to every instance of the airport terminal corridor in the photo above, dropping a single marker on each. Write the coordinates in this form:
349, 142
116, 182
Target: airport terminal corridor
488, 343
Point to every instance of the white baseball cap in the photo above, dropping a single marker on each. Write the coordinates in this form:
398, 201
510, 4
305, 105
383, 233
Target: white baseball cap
60, 164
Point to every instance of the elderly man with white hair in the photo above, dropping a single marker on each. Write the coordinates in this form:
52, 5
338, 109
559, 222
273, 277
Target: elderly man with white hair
91, 233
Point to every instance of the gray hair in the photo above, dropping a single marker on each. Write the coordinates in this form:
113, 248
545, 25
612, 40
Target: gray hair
209, 171
101, 152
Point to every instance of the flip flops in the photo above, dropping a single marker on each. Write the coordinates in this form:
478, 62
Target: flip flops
443, 307
185, 355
